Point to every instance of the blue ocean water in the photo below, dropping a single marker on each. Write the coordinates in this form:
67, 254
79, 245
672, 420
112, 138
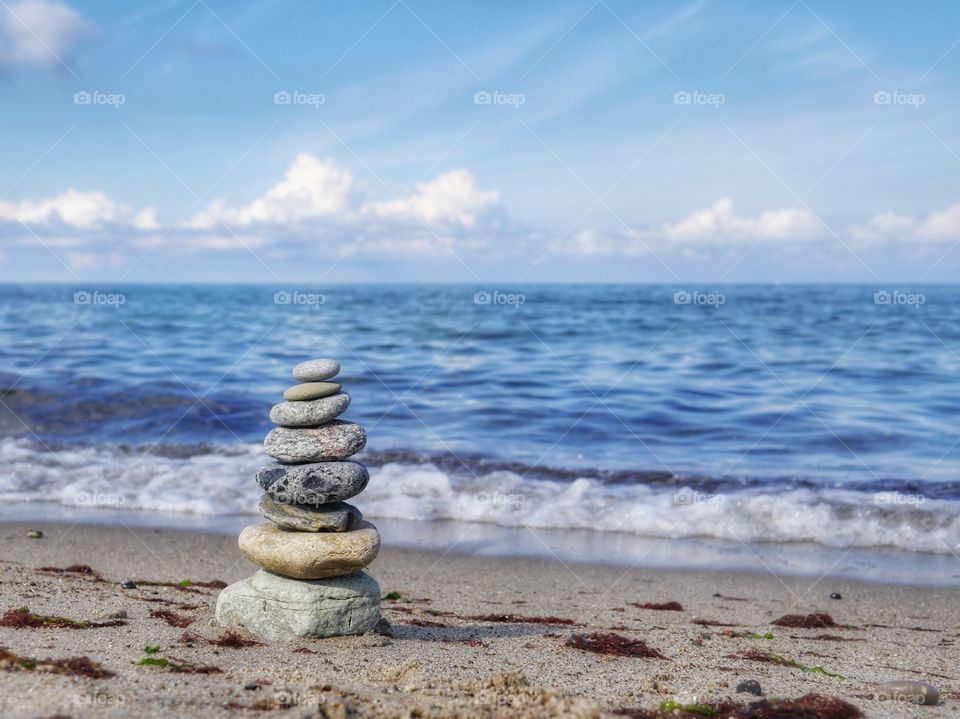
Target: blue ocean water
826, 414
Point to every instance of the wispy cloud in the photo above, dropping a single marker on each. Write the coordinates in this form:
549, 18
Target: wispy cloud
39, 33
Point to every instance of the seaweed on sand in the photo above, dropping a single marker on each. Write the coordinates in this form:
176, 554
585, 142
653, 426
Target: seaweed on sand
518, 619
615, 644
809, 706
806, 621
71, 666
662, 607
172, 618
23, 618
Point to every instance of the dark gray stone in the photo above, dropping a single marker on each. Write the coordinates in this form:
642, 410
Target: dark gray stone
333, 517
750, 686
313, 484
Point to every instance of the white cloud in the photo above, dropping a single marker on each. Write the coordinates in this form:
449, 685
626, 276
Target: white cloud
310, 189
452, 197
146, 219
940, 226
714, 225
719, 224
944, 225
590, 242
39, 33
314, 189
81, 210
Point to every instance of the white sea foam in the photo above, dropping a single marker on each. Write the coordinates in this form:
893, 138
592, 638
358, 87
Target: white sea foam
220, 483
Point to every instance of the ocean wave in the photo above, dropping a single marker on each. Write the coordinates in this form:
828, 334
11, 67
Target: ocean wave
210, 480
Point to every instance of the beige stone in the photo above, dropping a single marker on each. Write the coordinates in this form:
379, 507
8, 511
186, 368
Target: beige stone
310, 390
310, 555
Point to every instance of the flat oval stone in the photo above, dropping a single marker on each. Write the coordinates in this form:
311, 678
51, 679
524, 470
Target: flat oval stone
333, 517
908, 690
313, 484
316, 370
310, 390
310, 413
277, 609
310, 555
335, 440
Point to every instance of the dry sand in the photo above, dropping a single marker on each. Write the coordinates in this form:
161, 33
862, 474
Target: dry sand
457, 643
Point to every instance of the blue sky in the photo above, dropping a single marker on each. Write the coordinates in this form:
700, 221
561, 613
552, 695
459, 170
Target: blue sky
407, 140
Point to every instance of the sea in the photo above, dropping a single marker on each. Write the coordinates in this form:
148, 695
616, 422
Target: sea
689, 425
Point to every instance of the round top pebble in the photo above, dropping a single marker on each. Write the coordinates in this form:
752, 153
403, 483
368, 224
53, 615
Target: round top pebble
316, 370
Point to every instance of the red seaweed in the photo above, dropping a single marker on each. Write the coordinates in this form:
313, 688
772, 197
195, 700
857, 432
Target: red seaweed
664, 607
607, 643
72, 666
171, 618
806, 621
233, 641
518, 619
809, 706
23, 618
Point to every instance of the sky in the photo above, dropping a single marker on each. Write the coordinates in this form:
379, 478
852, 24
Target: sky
589, 141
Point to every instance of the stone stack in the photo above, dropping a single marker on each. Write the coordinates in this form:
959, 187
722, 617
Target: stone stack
314, 546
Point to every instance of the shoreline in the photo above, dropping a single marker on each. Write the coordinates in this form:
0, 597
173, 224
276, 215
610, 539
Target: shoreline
474, 635
616, 549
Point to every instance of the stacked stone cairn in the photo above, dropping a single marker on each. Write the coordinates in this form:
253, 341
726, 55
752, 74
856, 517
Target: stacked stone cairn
314, 546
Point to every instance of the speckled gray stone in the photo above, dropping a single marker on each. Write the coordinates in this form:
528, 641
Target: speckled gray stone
310, 413
316, 370
334, 440
908, 690
276, 609
333, 517
310, 390
315, 483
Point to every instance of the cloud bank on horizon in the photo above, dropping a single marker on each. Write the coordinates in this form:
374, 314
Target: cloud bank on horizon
404, 140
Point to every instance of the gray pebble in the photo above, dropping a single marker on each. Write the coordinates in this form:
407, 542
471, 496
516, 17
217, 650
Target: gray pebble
334, 440
316, 370
310, 413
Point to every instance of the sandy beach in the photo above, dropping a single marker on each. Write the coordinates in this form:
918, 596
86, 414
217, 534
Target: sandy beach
463, 636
